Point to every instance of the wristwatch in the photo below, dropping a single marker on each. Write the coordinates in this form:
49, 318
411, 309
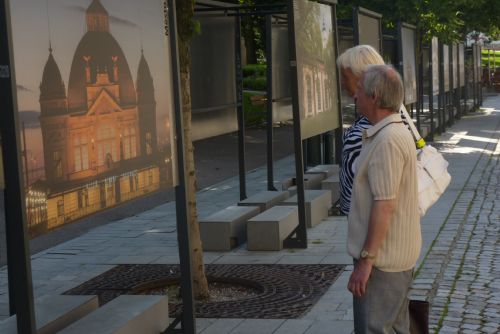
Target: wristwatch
366, 255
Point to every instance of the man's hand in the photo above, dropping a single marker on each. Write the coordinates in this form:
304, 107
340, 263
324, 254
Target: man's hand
359, 277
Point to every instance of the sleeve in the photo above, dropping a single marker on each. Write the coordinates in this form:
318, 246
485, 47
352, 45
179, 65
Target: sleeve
385, 170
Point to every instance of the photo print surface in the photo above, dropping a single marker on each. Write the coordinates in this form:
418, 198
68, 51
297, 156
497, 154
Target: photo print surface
317, 81
435, 65
409, 66
94, 98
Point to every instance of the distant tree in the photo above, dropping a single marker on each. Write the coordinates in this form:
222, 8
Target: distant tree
186, 27
253, 29
449, 20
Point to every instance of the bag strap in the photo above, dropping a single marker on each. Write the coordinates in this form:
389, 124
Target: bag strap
419, 141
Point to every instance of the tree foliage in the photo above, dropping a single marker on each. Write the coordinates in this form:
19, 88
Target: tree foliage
449, 20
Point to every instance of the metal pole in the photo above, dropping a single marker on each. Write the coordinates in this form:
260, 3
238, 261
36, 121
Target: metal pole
442, 97
430, 137
451, 92
301, 231
420, 94
181, 200
18, 261
239, 111
269, 125
338, 133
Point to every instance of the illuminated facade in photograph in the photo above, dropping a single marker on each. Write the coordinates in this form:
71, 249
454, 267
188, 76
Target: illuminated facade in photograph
100, 142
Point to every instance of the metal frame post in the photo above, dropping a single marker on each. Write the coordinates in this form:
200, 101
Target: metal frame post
430, 137
188, 321
18, 256
338, 133
269, 103
442, 93
239, 110
300, 239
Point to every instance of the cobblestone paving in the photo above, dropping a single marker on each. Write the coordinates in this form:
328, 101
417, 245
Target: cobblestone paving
460, 273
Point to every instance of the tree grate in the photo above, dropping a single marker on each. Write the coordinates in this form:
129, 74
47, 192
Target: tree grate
284, 291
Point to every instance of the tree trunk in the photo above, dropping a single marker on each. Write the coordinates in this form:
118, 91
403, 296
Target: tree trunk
185, 9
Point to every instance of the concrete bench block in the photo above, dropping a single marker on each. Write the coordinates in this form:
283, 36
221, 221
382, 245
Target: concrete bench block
125, 314
326, 170
317, 203
333, 184
226, 229
53, 313
311, 181
267, 230
265, 199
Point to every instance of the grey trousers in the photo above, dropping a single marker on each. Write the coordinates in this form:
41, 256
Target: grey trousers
384, 307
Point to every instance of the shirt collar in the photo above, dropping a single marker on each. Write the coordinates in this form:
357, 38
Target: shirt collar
394, 118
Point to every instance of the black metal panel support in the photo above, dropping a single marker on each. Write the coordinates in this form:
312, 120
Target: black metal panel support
442, 93
240, 111
420, 86
451, 93
18, 255
188, 321
355, 25
474, 76
480, 75
269, 103
298, 238
328, 147
338, 133
430, 136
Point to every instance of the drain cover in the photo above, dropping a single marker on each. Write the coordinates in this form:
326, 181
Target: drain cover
285, 291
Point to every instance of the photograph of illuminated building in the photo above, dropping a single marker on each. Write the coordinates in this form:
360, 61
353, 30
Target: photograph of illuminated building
100, 133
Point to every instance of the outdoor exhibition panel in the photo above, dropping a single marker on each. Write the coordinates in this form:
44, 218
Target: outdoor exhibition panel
90, 116
315, 87
407, 61
315, 58
368, 28
281, 87
445, 63
94, 107
454, 65
461, 64
213, 76
435, 65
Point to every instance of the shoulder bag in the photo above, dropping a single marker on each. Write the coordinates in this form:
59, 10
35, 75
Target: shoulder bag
432, 170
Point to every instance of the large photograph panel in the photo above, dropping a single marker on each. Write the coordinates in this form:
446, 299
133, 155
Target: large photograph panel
479, 67
94, 97
435, 65
317, 82
282, 89
454, 65
408, 62
213, 77
461, 64
446, 67
369, 30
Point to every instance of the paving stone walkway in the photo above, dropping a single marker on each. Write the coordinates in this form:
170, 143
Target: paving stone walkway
458, 270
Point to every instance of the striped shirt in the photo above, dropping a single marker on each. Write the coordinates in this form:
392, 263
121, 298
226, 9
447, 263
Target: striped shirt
352, 142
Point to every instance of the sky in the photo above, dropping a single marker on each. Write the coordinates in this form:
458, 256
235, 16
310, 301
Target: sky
132, 23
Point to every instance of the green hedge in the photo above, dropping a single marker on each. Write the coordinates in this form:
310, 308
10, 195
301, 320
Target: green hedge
254, 115
255, 83
255, 70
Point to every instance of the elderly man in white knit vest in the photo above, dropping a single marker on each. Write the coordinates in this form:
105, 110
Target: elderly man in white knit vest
384, 236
